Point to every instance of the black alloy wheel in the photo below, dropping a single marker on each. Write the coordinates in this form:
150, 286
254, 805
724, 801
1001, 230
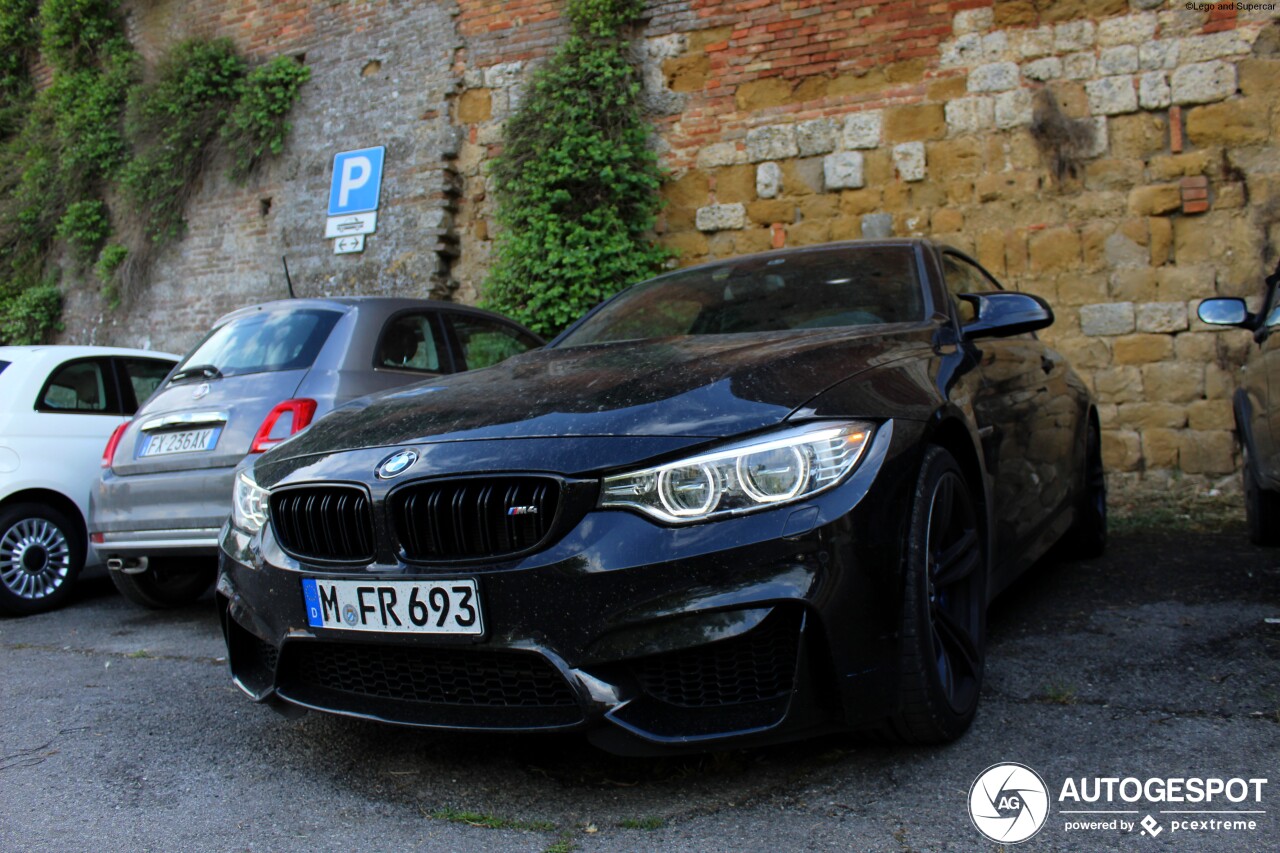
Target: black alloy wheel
944, 607
167, 582
1261, 507
1087, 538
41, 555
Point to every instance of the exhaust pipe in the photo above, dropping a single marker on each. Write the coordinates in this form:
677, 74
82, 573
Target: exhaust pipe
127, 565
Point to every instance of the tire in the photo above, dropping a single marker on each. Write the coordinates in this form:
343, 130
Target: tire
1261, 508
41, 556
944, 607
1087, 537
167, 582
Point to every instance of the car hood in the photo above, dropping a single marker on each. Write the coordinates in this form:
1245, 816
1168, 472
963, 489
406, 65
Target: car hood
696, 386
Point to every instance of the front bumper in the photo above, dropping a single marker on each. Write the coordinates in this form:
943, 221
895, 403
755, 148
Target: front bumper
762, 627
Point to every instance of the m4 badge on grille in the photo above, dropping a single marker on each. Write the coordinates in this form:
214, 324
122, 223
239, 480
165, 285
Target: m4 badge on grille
522, 510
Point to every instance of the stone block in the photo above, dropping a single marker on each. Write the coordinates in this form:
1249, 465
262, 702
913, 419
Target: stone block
768, 180
1048, 68
1168, 167
1111, 96
915, 123
1211, 415
1158, 317
769, 211
947, 220
1085, 353
802, 177
972, 21
1173, 382
1258, 77
1013, 109
1158, 55
1203, 82
877, 226
1160, 447
1137, 136
1121, 450
772, 142
1142, 349
994, 77
990, 251
1206, 46
909, 160
1112, 318
1054, 250
1154, 92
956, 158
824, 206
1230, 124
1144, 416
721, 217
857, 202
1036, 42
763, 93
735, 184
1155, 200
1074, 35
475, 106
1007, 185
818, 136
1122, 59
1127, 29
1207, 452
689, 245
842, 170
720, 154
863, 130
1075, 288
1122, 251
947, 88
503, 75
689, 190
1079, 66
1161, 240
1121, 384
970, 115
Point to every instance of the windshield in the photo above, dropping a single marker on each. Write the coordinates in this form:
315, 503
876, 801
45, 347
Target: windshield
844, 286
259, 343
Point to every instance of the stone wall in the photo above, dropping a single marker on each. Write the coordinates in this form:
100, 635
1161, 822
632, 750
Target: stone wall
1114, 156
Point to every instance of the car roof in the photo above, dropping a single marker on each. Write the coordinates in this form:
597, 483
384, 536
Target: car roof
66, 351
383, 304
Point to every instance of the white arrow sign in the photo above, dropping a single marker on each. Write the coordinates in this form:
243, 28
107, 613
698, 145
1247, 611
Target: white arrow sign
351, 224
347, 245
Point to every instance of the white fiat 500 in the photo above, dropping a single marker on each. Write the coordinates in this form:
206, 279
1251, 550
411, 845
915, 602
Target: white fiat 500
58, 407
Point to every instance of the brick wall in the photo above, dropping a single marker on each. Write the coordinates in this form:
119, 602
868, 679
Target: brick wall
1114, 156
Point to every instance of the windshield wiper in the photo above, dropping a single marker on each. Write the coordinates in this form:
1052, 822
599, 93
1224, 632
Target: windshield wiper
204, 371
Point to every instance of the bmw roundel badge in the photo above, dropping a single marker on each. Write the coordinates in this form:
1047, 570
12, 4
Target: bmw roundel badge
395, 464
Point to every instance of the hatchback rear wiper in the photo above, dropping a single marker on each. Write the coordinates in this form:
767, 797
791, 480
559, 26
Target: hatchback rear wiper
204, 371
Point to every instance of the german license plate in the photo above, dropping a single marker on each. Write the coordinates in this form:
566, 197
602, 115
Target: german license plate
187, 441
396, 607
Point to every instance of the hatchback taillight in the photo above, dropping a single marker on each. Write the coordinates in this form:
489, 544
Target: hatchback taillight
109, 453
275, 429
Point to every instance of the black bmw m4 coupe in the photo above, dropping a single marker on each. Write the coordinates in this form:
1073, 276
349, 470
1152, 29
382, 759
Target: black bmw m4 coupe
753, 500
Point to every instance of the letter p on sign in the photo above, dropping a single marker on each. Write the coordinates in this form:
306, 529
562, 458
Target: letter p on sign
357, 179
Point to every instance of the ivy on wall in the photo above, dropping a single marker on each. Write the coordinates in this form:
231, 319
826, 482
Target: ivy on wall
576, 183
97, 147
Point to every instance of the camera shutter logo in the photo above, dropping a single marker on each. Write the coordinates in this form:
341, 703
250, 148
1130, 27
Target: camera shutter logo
1008, 803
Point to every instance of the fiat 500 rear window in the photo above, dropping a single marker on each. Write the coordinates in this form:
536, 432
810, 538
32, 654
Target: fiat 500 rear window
260, 343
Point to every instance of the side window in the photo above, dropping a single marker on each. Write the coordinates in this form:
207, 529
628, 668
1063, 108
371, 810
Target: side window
77, 386
409, 343
963, 277
484, 343
145, 376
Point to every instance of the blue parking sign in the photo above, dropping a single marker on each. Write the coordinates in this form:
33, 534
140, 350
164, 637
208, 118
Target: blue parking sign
357, 179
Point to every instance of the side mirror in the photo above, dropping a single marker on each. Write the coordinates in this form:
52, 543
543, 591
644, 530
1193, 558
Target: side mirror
1225, 312
1002, 313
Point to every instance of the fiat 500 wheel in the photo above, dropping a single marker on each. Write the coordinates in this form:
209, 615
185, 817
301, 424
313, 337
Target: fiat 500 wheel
41, 555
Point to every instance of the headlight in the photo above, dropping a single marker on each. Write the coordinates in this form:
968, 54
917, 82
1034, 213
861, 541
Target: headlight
761, 473
248, 504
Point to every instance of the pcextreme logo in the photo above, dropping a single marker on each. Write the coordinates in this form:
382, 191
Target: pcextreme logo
1009, 803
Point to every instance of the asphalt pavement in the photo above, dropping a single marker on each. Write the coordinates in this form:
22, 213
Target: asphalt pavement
1154, 666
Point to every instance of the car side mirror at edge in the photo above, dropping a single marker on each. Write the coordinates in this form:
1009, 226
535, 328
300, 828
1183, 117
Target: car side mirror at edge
1225, 311
1002, 313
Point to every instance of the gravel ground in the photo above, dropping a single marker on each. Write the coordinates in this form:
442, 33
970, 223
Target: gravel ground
122, 732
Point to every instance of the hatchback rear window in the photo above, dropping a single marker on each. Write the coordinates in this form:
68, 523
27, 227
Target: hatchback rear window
261, 343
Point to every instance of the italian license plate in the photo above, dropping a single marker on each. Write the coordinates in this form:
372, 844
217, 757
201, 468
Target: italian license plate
187, 441
397, 607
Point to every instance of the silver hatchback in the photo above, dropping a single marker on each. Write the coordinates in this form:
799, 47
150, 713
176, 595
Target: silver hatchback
261, 375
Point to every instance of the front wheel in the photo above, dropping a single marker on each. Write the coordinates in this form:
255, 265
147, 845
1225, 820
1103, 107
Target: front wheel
167, 582
944, 607
41, 555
